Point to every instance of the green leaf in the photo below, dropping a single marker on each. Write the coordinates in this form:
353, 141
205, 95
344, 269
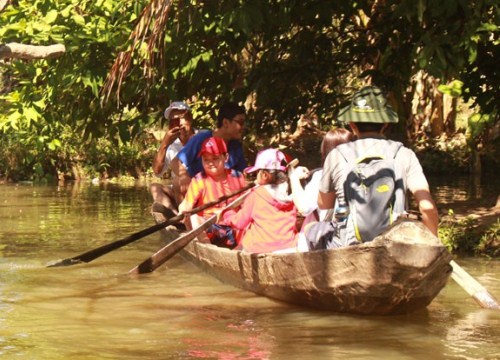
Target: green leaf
57, 38
14, 119
66, 11
472, 55
31, 114
54, 144
420, 10
51, 17
78, 19
487, 27
454, 88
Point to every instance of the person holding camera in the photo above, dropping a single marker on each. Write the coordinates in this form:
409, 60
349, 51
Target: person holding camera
179, 131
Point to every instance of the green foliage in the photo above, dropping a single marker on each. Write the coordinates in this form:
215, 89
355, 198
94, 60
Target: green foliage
478, 124
454, 88
283, 58
445, 155
490, 241
47, 94
458, 235
72, 158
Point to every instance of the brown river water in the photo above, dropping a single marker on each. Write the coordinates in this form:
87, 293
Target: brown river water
97, 311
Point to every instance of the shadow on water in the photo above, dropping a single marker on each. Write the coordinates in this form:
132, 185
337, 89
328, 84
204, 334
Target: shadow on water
96, 311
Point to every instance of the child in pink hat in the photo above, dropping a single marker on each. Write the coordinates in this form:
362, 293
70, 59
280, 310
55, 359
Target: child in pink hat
211, 184
268, 215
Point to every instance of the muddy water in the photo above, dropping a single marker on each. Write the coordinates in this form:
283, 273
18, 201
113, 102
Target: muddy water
95, 311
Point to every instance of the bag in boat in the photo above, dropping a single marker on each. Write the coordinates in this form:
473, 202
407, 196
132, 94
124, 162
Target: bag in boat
329, 233
222, 236
322, 235
373, 192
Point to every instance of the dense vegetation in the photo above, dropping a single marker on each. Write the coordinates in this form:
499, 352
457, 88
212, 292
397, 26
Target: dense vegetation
92, 110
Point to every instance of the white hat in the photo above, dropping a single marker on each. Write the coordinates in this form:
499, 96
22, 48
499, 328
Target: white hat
176, 105
268, 159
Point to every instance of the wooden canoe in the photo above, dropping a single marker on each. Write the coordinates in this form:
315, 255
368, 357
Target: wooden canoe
400, 271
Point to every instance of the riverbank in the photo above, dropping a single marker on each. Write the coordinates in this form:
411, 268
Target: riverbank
469, 218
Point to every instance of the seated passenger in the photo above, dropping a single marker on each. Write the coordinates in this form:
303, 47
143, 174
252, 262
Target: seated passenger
180, 130
211, 184
306, 198
268, 215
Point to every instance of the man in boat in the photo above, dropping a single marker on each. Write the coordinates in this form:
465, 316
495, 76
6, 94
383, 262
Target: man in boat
230, 127
369, 116
180, 130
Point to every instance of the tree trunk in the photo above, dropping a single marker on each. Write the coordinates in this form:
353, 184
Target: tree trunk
426, 118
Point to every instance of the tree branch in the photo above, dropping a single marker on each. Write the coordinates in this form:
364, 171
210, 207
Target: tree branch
30, 52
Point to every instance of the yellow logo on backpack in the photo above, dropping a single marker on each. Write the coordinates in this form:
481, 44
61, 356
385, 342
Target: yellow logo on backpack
383, 188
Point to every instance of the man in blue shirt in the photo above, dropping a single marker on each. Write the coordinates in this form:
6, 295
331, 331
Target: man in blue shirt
230, 127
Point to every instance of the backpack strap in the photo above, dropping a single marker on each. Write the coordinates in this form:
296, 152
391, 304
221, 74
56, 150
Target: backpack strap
400, 202
329, 215
354, 156
347, 152
391, 150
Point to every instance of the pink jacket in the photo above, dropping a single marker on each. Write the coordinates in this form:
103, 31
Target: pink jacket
269, 223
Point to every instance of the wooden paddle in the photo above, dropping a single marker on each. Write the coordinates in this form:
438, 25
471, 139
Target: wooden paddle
478, 292
172, 248
102, 250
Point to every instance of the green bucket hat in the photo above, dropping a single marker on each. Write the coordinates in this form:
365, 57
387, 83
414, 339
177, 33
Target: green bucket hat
368, 105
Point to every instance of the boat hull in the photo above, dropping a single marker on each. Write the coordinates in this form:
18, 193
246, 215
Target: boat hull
401, 271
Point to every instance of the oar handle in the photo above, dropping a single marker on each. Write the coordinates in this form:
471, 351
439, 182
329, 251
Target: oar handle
219, 200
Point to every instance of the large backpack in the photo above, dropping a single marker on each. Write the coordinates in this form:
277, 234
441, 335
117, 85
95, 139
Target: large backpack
374, 193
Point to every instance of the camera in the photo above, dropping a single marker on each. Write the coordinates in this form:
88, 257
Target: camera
174, 122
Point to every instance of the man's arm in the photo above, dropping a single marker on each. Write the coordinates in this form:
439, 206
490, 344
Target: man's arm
419, 187
159, 159
182, 174
299, 195
326, 200
428, 209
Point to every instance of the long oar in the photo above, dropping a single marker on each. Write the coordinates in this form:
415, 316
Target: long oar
102, 250
471, 286
172, 248
478, 292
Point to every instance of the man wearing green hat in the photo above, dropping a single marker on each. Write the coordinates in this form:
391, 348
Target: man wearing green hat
369, 177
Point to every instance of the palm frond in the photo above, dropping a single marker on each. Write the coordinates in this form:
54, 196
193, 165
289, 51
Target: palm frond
149, 30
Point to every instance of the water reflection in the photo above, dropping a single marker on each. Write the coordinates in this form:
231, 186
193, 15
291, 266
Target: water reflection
457, 189
95, 311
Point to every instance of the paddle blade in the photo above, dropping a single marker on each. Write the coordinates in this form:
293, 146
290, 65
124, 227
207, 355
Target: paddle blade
64, 262
169, 250
478, 292
103, 250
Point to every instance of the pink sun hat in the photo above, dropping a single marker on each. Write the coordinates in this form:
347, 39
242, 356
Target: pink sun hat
269, 159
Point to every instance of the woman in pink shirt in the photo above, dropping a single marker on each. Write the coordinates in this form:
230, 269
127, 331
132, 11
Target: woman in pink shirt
268, 215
